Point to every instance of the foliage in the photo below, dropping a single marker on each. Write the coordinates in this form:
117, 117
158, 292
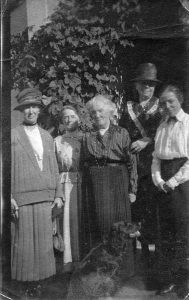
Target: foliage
74, 56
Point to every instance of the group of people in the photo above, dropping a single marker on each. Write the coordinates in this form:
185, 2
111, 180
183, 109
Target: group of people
107, 175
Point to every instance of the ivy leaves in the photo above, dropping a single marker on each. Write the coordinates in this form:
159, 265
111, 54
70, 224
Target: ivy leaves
75, 55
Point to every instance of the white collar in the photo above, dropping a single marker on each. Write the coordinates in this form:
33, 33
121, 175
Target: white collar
103, 130
179, 116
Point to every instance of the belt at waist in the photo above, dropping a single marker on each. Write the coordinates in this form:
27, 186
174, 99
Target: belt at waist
169, 167
174, 160
105, 163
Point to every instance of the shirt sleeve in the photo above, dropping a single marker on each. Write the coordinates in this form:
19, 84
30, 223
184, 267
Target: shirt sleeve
183, 173
156, 169
131, 162
181, 176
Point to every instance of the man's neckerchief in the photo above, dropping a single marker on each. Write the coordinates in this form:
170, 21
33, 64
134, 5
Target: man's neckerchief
149, 108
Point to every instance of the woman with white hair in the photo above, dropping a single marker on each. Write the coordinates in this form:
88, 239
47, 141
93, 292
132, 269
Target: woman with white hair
111, 170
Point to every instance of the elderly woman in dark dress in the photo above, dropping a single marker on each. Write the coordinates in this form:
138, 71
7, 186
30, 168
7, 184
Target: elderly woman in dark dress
111, 170
68, 153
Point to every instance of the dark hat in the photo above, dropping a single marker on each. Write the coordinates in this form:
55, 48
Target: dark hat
146, 72
28, 96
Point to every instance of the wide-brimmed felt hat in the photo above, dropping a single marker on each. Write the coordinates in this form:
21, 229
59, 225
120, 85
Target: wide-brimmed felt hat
28, 96
146, 72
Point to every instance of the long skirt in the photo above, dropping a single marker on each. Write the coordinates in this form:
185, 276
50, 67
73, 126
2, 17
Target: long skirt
32, 243
107, 199
71, 185
106, 203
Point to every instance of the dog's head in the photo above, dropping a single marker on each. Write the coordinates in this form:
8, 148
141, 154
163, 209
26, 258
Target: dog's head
126, 228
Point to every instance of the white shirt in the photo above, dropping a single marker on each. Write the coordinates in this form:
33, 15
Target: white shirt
36, 143
172, 141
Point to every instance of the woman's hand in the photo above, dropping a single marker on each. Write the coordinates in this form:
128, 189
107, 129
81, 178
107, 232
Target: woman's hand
160, 186
139, 145
14, 208
164, 187
57, 202
167, 187
132, 197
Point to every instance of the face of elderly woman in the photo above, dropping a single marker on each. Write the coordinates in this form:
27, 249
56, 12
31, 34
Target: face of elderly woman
145, 89
31, 113
70, 119
101, 115
169, 103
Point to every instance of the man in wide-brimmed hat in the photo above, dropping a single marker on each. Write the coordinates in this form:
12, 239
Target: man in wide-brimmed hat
141, 118
146, 81
35, 190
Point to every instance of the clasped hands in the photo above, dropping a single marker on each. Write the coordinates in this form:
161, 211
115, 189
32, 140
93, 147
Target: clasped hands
164, 187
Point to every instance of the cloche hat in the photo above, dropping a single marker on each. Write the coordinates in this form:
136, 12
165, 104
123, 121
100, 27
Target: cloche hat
28, 96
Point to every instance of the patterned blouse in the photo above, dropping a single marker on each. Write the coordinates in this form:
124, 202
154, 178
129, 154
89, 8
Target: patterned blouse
112, 147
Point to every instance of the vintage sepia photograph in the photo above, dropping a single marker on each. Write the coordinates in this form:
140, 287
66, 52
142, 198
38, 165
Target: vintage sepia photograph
94, 150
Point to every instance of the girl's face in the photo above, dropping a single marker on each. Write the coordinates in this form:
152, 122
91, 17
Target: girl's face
31, 113
169, 103
70, 119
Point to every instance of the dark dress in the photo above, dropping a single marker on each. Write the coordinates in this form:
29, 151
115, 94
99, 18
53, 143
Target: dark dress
110, 173
145, 125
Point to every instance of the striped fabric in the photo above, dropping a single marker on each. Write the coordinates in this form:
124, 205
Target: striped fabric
32, 243
109, 187
108, 203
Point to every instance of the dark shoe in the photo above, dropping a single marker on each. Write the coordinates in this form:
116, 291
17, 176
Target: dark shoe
167, 289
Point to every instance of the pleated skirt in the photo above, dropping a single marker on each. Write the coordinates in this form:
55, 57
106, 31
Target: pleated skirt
107, 198
32, 254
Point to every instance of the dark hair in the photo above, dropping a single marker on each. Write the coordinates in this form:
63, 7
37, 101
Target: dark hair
69, 107
173, 89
